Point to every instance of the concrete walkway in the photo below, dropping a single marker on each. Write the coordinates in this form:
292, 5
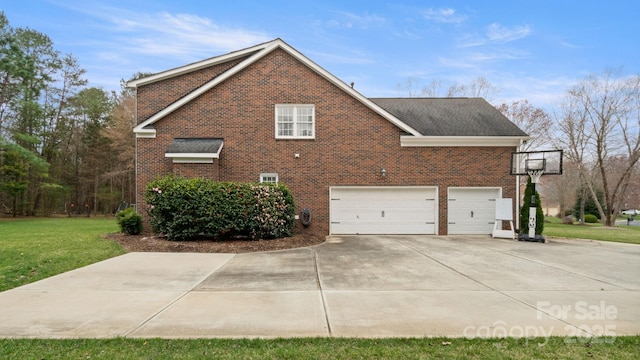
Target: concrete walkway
350, 286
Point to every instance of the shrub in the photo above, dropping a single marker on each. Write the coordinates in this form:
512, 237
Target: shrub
524, 211
130, 221
590, 218
184, 208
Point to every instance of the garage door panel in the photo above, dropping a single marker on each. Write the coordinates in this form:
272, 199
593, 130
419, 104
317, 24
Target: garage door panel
383, 210
472, 210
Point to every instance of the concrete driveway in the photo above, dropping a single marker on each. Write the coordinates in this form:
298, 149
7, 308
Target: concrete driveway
350, 286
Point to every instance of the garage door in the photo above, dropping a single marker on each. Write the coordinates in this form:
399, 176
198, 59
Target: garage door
472, 210
383, 210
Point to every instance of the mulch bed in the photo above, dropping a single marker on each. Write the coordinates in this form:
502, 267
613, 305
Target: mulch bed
151, 243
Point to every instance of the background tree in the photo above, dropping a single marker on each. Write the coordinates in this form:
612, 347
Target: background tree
532, 120
479, 87
60, 142
599, 125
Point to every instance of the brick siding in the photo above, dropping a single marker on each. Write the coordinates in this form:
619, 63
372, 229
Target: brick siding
351, 146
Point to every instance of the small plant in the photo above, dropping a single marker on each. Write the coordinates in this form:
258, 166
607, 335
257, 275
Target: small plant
590, 219
130, 221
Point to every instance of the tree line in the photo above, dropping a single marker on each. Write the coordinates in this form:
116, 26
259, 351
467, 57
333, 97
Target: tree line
64, 147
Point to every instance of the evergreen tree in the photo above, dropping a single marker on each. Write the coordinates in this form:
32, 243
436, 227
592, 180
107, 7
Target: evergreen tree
524, 211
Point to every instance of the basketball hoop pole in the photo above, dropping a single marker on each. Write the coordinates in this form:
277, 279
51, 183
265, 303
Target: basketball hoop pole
533, 207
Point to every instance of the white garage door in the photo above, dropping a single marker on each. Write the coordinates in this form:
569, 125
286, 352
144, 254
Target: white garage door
383, 210
472, 210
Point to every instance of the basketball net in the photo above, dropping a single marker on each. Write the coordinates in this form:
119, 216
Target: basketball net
535, 175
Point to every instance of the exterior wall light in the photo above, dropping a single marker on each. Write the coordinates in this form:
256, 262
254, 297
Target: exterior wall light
383, 172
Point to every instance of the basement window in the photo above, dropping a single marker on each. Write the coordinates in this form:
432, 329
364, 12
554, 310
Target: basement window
271, 178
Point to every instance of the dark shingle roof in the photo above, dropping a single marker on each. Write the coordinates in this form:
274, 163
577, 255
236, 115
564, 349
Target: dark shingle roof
195, 145
450, 116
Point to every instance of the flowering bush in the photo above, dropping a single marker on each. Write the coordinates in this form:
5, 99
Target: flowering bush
184, 208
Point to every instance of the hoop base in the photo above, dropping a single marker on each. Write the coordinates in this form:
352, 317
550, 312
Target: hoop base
525, 237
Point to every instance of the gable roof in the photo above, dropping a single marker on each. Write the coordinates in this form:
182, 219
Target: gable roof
252, 54
450, 116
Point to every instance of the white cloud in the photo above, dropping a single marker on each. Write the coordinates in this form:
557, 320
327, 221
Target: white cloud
350, 20
176, 34
446, 15
503, 34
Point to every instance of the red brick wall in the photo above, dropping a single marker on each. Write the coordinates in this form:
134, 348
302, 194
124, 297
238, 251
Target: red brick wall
156, 96
352, 142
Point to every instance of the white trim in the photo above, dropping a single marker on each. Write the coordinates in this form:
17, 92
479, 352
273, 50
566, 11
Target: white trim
262, 50
193, 67
193, 155
439, 141
145, 133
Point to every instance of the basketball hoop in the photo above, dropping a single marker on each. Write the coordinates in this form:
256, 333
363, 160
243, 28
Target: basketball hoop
535, 164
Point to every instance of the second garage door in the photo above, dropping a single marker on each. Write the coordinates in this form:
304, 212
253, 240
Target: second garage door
472, 210
383, 210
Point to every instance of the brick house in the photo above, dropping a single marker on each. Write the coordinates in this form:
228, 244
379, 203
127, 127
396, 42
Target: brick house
360, 165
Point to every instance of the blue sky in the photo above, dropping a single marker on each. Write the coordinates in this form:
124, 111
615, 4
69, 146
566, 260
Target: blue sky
530, 50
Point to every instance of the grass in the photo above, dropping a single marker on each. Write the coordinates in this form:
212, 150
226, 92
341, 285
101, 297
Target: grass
322, 348
34, 249
625, 234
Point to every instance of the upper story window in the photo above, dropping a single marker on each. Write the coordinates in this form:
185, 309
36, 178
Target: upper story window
295, 122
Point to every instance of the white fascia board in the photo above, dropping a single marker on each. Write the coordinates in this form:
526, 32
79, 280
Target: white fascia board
193, 155
440, 141
192, 158
194, 66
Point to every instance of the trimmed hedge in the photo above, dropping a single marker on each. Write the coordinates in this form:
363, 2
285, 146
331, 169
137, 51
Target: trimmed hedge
183, 208
590, 218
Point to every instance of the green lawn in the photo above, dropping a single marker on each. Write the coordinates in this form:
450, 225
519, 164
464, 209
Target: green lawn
34, 249
626, 234
322, 348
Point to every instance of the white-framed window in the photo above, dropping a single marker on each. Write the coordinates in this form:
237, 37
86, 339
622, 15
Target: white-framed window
269, 178
295, 121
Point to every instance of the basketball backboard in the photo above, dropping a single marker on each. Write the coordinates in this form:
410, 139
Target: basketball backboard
547, 161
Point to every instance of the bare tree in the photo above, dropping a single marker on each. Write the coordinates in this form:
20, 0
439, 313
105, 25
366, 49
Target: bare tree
532, 120
479, 87
600, 125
